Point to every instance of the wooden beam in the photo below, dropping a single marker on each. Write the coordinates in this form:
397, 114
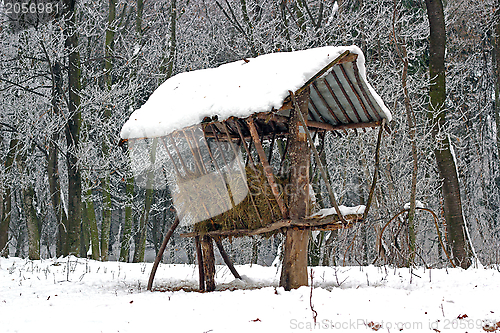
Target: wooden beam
339, 104
346, 95
330, 222
267, 116
287, 105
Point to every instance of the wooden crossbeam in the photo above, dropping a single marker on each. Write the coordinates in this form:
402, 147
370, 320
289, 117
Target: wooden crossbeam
331, 222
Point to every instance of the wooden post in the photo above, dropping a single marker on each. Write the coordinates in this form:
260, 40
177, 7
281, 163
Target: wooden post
199, 255
208, 262
318, 159
294, 267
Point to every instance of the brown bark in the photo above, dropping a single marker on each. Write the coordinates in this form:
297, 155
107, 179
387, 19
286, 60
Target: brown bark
294, 267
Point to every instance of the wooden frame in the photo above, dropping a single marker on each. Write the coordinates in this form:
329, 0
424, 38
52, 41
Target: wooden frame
294, 120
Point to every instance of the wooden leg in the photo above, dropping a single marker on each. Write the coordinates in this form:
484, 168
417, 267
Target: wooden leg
200, 263
226, 258
294, 268
208, 262
160, 252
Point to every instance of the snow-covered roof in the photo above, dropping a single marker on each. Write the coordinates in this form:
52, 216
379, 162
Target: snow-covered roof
261, 84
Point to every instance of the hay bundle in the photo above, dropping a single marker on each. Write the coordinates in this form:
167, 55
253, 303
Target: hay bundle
257, 209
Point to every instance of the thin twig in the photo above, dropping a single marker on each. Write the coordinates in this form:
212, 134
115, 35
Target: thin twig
314, 312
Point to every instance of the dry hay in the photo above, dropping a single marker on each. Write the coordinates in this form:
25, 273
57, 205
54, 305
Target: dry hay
258, 209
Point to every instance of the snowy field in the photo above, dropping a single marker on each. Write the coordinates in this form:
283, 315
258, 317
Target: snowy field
79, 295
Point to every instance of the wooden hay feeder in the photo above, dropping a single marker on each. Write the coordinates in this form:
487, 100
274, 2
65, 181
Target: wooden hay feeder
222, 180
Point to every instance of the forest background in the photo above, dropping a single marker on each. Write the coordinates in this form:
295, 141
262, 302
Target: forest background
68, 84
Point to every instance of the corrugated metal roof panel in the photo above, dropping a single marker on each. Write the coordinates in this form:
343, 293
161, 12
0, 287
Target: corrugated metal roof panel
342, 97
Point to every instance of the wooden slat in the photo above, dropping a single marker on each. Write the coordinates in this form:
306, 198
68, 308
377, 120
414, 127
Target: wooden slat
363, 91
346, 95
351, 85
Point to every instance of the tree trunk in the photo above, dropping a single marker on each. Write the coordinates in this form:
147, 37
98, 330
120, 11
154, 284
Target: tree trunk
55, 196
148, 201
106, 186
109, 46
283, 28
5, 222
410, 117
106, 214
294, 268
444, 158
7, 202
26, 202
167, 66
129, 187
31, 224
496, 61
73, 131
92, 225
127, 228
52, 164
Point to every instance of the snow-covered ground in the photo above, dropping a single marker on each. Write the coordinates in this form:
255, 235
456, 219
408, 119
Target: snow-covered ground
79, 295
